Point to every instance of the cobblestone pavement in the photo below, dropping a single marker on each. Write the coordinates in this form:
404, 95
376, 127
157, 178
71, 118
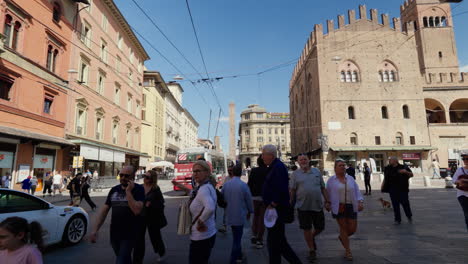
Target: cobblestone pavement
437, 235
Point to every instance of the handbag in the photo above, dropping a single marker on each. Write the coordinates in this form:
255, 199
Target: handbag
342, 206
184, 220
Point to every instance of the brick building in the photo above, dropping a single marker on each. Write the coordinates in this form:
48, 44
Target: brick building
368, 89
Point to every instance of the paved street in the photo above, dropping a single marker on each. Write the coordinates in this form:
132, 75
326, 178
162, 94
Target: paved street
438, 235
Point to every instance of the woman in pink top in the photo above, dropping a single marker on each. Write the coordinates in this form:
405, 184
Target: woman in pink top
15, 238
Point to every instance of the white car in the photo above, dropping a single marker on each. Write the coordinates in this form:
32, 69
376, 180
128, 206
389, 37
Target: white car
62, 223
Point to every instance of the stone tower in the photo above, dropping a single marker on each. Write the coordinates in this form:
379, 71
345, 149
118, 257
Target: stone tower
232, 131
433, 24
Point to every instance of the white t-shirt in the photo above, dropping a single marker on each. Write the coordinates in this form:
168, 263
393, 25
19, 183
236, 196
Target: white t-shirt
206, 201
460, 171
57, 179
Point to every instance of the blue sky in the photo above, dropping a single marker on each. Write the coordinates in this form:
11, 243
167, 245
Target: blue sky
245, 37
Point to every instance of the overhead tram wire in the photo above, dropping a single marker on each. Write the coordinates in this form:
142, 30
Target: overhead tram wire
166, 37
202, 57
172, 64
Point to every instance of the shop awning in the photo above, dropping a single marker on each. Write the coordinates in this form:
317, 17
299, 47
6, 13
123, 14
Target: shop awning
23, 134
384, 148
96, 144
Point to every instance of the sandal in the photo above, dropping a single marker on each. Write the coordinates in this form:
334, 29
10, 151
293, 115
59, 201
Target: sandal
348, 255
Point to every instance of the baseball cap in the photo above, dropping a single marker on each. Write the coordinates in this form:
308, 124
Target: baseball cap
270, 217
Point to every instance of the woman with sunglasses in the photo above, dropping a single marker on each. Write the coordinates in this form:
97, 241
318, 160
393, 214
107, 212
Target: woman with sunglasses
202, 207
154, 219
460, 178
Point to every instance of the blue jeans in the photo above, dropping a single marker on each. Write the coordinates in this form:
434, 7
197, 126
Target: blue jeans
236, 252
200, 250
400, 197
123, 250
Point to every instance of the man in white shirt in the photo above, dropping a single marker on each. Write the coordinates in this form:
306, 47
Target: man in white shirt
57, 183
436, 169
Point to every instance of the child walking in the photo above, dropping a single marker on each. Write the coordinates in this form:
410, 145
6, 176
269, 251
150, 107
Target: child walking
17, 237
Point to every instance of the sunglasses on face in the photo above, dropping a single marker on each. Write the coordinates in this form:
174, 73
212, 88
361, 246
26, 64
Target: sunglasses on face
465, 159
197, 171
124, 175
148, 177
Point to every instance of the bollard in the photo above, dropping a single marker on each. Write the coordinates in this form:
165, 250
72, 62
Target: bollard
448, 182
427, 181
381, 177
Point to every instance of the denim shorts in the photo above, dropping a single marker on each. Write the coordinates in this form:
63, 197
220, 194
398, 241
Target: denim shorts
348, 213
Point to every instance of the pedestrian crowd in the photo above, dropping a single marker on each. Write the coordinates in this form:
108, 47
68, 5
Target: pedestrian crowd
270, 199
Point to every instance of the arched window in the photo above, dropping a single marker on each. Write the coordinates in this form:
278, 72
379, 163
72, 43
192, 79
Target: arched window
425, 22
351, 114
50, 51
349, 72
353, 139
431, 21
354, 77
348, 76
443, 22
399, 139
384, 112
260, 131
7, 29
406, 113
388, 72
14, 40
54, 60
391, 76
437, 21
57, 12
385, 76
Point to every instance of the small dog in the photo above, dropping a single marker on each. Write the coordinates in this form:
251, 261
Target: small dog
385, 204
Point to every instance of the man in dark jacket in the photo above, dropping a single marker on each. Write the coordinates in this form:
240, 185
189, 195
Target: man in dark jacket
275, 195
397, 184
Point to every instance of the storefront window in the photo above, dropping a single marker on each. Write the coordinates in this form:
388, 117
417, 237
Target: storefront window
108, 167
413, 161
7, 156
117, 167
43, 164
379, 162
349, 158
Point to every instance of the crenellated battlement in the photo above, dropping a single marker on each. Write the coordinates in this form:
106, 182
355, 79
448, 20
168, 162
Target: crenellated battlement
318, 33
447, 78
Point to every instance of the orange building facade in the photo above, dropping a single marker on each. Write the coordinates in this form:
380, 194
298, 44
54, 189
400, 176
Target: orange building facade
34, 63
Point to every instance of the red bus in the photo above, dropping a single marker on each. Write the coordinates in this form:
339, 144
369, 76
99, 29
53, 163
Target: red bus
184, 163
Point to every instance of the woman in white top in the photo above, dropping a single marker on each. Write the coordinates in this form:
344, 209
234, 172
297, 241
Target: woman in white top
462, 196
202, 208
345, 201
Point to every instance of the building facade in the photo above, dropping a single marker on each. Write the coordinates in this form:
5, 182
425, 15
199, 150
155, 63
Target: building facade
190, 130
33, 86
258, 128
106, 75
367, 90
174, 120
153, 129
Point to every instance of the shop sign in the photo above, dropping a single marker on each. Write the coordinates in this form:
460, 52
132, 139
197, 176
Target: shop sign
77, 162
106, 155
23, 172
43, 162
411, 156
119, 156
6, 159
89, 152
143, 161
